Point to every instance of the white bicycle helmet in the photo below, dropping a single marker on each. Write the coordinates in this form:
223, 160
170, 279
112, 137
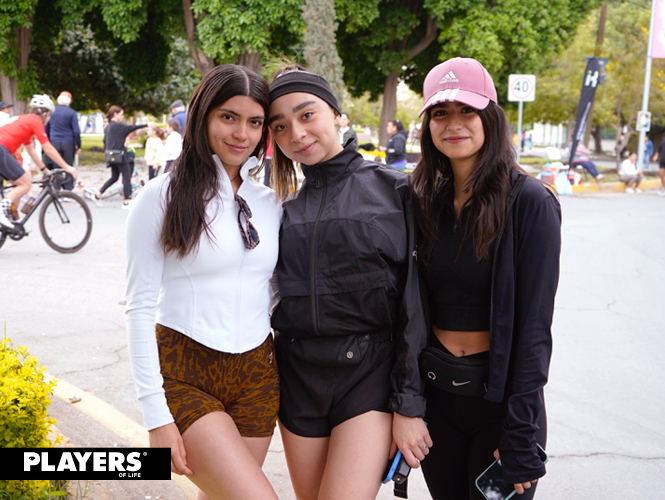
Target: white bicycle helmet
42, 101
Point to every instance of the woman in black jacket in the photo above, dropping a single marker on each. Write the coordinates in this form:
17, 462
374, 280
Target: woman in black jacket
350, 316
396, 147
489, 244
114, 140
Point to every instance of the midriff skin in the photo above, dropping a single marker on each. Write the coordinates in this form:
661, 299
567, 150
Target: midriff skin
463, 343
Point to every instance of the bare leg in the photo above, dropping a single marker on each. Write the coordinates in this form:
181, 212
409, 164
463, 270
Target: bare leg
224, 465
357, 456
22, 186
306, 460
661, 172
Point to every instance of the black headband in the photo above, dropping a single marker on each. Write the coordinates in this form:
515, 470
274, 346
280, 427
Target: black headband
303, 81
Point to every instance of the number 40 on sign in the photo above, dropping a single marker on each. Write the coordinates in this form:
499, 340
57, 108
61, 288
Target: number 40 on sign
522, 88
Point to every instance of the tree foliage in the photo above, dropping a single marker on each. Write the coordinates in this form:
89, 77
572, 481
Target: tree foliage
507, 36
620, 98
229, 28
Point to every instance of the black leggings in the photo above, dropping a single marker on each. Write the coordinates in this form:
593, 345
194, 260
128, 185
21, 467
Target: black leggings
465, 432
126, 170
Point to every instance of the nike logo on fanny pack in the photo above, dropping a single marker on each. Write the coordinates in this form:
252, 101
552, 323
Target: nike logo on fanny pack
455, 384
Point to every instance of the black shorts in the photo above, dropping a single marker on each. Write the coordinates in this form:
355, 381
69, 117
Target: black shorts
10, 168
316, 398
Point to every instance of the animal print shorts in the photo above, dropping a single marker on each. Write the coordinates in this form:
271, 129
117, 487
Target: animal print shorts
199, 380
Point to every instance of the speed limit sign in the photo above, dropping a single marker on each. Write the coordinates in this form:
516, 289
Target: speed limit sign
522, 88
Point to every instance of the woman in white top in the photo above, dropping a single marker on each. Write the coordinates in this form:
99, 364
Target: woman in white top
173, 143
630, 174
199, 268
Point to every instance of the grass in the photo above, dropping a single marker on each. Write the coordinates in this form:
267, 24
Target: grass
92, 150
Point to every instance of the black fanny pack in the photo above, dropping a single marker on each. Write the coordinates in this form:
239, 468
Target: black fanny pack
462, 376
115, 156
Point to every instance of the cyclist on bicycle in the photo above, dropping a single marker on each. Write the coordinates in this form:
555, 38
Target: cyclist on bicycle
19, 133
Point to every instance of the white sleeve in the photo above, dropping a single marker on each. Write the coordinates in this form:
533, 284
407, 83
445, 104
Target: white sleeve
145, 263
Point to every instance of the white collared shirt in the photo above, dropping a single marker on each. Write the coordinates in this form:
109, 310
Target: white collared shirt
218, 295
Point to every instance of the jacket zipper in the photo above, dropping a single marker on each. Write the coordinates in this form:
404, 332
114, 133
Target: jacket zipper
312, 256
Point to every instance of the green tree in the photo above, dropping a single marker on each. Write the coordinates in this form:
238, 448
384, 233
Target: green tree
16, 74
620, 97
320, 47
403, 39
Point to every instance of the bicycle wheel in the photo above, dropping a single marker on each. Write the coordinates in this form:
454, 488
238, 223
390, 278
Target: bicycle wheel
3, 237
65, 227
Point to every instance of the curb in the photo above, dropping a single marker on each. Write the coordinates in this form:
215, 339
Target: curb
613, 187
116, 422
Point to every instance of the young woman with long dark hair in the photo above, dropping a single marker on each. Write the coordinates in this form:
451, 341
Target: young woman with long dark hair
488, 247
350, 314
202, 244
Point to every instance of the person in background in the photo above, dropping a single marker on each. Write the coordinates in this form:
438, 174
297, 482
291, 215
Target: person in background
396, 147
114, 140
488, 248
346, 132
202, 245
660, 158
63, 132
154, 150
648, 152
172, 144
630, 174
582, 159
180, 115
20, 132
5, 115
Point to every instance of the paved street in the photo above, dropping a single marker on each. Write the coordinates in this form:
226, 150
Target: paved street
605, 399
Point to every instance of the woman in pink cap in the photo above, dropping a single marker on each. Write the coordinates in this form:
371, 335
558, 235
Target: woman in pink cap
489, 244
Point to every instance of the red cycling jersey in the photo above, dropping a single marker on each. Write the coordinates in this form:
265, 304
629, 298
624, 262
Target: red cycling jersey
20, 131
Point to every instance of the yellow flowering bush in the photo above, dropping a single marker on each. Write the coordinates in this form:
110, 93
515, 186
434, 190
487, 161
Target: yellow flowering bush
24, 398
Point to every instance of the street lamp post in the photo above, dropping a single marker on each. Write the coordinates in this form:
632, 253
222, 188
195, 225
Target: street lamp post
645, 94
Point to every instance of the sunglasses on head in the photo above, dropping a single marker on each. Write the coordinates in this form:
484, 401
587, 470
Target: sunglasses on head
247, 230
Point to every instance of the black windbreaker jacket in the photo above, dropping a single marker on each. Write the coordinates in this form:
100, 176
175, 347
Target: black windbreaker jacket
525, 276
347, 269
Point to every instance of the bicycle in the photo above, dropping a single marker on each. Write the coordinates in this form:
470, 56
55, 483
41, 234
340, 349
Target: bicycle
65, 220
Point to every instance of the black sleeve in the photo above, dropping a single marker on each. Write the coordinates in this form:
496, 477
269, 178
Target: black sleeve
399, 145
537, 277
411, 334
661, 151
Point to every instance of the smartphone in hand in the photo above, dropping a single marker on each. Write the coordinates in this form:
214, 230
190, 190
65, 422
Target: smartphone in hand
491, 483
397, 469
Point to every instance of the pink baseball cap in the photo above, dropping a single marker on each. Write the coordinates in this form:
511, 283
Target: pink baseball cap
460, 79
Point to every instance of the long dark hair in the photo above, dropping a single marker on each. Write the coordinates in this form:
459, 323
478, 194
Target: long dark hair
489, 183
194, 175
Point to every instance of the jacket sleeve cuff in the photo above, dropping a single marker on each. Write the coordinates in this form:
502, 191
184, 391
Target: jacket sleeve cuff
408, 405
156, 412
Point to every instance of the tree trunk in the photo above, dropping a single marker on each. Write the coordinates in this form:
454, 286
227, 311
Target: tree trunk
250, 60
389, 107
8, 84
202, 62
598, 139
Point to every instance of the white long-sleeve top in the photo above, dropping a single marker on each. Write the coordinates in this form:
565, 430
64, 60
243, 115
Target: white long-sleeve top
172, 146
218, 295
627, 167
